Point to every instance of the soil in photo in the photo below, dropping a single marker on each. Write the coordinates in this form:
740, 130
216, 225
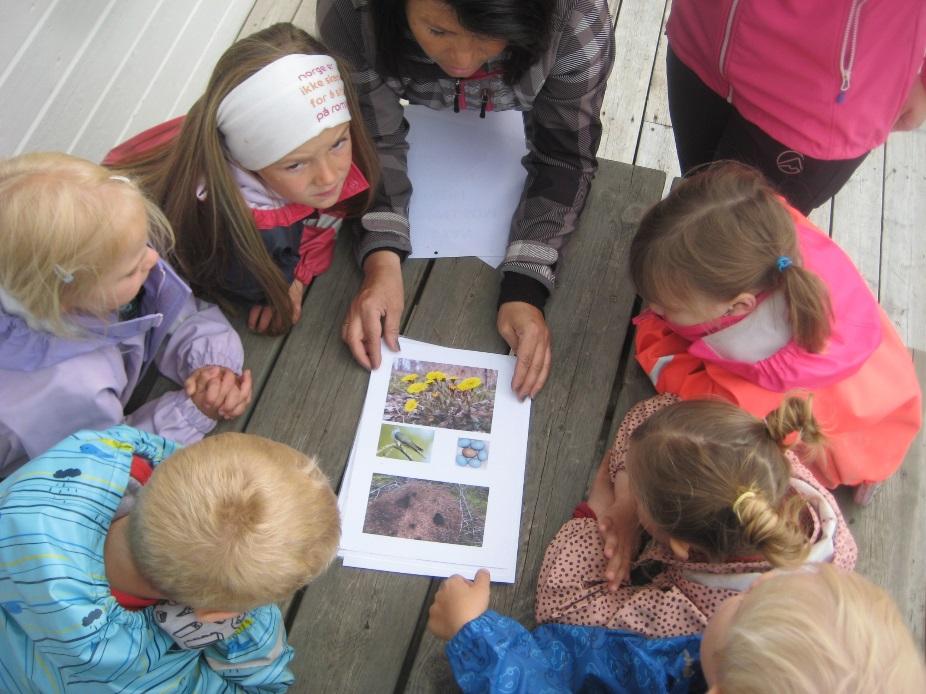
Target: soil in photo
425, 510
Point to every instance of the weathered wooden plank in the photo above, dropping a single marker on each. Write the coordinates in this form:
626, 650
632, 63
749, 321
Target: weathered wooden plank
161, 75
857, 214
91, 75
20, 23
903, 244
359, 645
59, 43
305, 17
589, 328
267, 12
822, 216
656, 146
891, 531
636, 37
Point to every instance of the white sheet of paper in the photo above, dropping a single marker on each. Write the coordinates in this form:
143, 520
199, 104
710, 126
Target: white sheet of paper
438, 494
467, 179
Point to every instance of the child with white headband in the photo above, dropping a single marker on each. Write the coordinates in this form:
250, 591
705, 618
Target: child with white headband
258, 176
86, 305
748, 301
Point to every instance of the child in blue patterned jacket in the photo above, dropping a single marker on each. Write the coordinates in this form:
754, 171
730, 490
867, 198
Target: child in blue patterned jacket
131, 564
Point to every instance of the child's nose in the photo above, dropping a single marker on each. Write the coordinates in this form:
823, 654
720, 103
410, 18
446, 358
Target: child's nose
325, 174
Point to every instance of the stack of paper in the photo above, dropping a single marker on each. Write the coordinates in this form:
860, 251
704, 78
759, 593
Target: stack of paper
467, 179
436, 473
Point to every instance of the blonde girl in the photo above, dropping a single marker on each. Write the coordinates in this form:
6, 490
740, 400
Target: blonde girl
258, 176
748, 300
804, 632
86, 305
722, 500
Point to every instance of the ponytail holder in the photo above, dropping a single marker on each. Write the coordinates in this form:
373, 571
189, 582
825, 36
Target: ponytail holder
783, 263
64, 275
748, 494
792, 438
120, 178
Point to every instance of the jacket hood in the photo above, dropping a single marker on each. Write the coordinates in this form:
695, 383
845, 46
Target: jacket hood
24, 348
761, 349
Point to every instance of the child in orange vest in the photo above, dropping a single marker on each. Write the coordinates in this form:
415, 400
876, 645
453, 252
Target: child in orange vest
747, 300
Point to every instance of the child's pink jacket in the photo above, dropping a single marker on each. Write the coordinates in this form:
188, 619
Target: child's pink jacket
676, 597
866, 395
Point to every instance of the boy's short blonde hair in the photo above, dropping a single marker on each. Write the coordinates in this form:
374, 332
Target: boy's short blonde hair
57, 234
822, 631
234, 522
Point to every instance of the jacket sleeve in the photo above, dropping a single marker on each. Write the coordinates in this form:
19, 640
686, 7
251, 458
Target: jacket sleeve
386, 224
495, 653
563, 131
173, 416
255, 658
201, 336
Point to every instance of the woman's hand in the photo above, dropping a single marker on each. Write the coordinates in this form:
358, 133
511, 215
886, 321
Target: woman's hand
376, 310
457, 602
526, 332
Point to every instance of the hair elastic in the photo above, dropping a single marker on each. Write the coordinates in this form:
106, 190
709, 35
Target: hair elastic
748, 494
783, 263
64, 275
120, 178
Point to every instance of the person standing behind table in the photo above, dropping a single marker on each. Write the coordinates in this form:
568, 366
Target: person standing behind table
549, 59
802, 91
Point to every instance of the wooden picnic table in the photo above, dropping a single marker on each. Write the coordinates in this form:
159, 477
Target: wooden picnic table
357, 630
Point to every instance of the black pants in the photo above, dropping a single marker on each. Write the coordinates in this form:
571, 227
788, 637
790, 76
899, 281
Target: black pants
707, 128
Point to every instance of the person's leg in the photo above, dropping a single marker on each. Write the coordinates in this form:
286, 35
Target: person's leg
699, 115
806, 182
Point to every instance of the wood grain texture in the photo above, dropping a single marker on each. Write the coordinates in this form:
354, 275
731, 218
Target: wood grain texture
589, 328
267, 12
903, 244
636, 37
857, 213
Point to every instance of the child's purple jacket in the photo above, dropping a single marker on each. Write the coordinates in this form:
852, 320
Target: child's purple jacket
52, 386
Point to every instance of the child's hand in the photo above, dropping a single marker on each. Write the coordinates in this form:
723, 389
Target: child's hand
218, 392
620, 530
457, 602
262, 319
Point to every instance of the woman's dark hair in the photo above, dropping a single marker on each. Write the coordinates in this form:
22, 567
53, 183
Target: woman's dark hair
525, 25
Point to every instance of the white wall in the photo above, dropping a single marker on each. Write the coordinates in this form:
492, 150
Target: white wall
82, 75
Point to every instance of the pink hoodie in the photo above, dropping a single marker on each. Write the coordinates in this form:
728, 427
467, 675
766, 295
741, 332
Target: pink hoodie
825, 77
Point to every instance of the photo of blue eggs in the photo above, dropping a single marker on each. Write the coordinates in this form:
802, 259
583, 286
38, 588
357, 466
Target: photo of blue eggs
472, 453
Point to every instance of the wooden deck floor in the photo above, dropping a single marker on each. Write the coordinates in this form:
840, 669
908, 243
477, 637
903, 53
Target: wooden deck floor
121, 67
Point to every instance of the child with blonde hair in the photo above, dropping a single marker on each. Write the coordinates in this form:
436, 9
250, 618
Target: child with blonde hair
747, 300
803, 632
145, 566
257, 178
86, 305
722, 499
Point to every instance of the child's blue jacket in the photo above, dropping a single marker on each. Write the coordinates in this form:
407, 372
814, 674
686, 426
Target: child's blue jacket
493, 653
60, 627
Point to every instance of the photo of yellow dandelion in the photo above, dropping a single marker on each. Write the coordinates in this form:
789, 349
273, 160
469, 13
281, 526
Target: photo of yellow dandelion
447, 396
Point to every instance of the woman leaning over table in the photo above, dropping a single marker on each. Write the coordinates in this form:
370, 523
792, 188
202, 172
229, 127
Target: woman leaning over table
547, 58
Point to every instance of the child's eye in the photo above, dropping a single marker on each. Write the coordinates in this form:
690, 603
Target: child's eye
436, 32
339, 144
295, 166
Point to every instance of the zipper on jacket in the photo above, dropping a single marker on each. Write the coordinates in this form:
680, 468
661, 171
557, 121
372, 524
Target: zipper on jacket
485, 101
849, 44
456, 96
728, 30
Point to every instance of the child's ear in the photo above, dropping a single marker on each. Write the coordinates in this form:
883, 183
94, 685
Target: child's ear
213, 615
679, 548
742, 304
